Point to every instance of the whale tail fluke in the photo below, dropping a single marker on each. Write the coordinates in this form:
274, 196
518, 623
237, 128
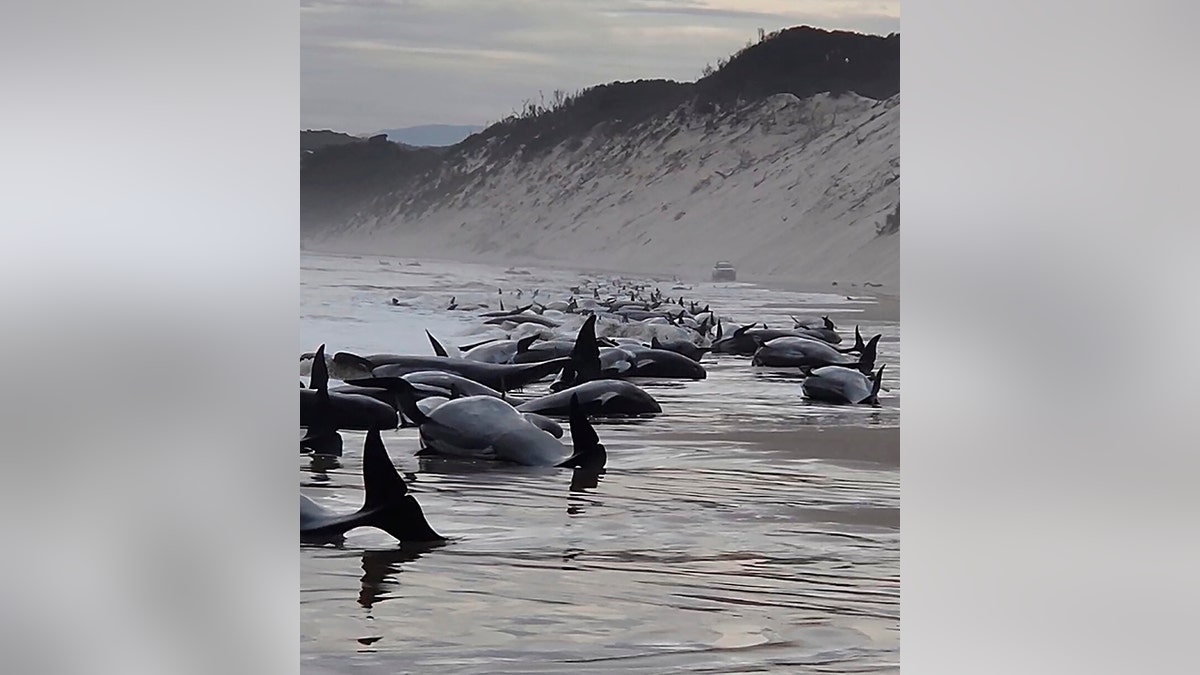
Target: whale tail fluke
876, 384
859, 346
866, 362
387, 505
587, 451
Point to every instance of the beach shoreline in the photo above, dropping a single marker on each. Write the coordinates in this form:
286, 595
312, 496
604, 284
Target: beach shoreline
885, 308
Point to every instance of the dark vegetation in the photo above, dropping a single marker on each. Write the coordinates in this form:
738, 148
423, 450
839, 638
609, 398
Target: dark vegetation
338, 180
315, 140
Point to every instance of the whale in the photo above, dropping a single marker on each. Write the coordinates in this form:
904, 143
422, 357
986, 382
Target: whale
746, 340
435, 381
487, 428
429, 404
522, 318
813, 322
796, 352
503, 312
501, 351
684, 347
597, 398
735, 343
544, 351
349, 412
323, 412
387, 505
663, 364
501, 377
838, 384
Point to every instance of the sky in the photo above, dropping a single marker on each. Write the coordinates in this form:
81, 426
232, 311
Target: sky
367, 65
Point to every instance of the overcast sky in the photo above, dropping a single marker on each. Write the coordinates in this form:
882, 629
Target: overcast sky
368, 65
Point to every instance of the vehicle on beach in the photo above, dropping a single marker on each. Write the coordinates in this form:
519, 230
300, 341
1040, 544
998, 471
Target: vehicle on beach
724, 271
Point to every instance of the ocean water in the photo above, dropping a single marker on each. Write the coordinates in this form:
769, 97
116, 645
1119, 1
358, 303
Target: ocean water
743, 530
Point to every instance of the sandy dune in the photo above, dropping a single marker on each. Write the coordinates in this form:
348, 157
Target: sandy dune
788, 190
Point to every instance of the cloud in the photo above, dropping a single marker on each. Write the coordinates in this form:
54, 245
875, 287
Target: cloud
373, 64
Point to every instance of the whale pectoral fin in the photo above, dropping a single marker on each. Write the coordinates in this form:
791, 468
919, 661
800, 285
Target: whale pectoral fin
524, 343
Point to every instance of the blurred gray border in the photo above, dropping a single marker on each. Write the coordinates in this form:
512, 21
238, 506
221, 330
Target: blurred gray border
150, 280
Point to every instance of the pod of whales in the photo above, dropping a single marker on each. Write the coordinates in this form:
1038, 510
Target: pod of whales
584, 358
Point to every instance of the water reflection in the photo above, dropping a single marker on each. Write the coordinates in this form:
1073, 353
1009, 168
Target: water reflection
380, 568
583, 479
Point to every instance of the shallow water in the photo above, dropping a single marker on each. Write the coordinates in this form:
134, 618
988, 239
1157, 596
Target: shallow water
743, 530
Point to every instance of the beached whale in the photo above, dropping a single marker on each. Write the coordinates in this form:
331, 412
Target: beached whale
838, 384
323, 412
797, 352
501, 377
428, 405
387, 504
605, 398
687, 348
483, 427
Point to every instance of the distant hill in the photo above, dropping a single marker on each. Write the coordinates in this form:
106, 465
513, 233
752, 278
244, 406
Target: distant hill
431, 135
784, 158
314, 140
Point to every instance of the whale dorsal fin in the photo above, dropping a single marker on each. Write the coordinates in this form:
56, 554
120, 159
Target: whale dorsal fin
437, 346
876, 383
585, 355
319, 377
587, 451
381, 482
